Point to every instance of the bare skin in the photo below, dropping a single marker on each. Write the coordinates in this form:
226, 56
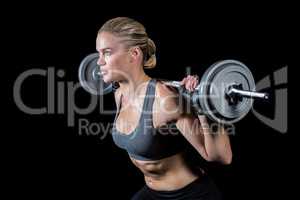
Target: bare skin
170, 173
165, 174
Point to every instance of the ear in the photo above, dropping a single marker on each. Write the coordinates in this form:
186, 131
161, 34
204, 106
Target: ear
136, 53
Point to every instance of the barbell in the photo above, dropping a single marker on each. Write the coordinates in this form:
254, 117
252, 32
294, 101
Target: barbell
225, 92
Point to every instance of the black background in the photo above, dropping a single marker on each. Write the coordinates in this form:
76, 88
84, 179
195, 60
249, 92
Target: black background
46, 157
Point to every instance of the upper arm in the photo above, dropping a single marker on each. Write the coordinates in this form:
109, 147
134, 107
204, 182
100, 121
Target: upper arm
194, 128
165, 107
172, 109
169, 109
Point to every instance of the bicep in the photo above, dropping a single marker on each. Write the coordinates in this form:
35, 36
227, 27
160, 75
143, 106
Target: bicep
170, 109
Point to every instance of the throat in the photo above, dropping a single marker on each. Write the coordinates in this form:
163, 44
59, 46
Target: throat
134, 97
133, 88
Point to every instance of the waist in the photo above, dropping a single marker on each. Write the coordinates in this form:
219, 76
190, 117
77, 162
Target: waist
166, 174
200, 188
171, 181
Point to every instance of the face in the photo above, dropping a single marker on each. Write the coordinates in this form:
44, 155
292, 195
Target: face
114, 57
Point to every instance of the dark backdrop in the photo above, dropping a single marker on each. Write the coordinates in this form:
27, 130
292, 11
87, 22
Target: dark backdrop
49, 158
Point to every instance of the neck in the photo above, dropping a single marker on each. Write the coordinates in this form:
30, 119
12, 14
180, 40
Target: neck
130, 87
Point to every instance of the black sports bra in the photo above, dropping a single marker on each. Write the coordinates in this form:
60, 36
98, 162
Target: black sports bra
147, 142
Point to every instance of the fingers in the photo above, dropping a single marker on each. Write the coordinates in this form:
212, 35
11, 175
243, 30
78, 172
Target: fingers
195, 82
190, 82
183, 81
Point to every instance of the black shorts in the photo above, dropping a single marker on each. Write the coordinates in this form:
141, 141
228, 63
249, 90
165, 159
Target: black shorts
202, 188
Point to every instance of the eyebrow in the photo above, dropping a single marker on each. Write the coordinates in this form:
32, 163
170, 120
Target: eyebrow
103, 49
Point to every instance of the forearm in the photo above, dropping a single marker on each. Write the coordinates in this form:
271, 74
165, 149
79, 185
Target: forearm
216, 142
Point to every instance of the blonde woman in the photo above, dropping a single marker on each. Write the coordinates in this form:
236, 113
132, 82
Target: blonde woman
149, 111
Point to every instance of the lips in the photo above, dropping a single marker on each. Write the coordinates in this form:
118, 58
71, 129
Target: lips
103, 72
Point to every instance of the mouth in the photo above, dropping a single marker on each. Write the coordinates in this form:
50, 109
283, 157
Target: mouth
103, 72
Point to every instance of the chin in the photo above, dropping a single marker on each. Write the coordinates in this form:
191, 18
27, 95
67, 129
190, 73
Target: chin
107, 79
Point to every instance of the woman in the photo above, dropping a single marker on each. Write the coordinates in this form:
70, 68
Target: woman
149, 112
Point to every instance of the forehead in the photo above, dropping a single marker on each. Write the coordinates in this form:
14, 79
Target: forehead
107, 40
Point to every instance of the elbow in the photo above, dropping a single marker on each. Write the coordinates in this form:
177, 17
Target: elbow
225, 155
212, 158
225, 159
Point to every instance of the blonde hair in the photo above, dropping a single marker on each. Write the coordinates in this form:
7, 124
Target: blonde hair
134, 34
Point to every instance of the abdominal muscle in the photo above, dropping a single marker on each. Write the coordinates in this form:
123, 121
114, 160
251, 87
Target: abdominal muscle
167, 174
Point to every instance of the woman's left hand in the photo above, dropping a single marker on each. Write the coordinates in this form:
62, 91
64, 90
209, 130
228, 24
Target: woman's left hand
190, 82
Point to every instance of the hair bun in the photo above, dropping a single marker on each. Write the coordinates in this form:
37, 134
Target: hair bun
151, 58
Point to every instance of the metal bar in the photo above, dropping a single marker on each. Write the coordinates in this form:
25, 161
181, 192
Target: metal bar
248, 94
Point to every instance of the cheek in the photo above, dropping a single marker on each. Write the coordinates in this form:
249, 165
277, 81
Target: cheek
113, 61
116, 66
118, 62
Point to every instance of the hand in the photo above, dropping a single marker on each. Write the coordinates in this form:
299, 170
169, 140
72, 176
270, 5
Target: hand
186, 90
190, 82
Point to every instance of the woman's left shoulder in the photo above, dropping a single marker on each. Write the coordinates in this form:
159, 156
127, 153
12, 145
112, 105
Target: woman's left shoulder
167, 100
166, 107
162, 90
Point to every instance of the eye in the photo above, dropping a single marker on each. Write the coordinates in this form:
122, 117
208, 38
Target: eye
106, 53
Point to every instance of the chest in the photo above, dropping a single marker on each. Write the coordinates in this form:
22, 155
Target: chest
132, 114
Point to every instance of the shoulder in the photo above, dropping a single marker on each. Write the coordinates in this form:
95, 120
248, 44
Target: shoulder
166, 94
164, 90
166, 105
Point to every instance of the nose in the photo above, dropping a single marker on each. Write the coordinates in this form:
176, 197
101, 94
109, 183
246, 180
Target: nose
100, 61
